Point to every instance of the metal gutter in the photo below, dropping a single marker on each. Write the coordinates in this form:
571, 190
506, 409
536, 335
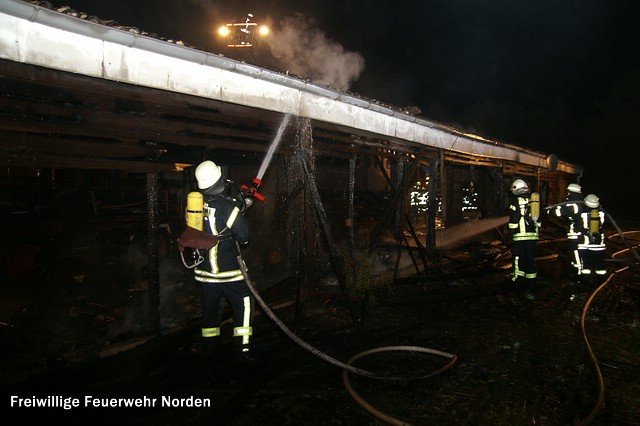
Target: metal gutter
35, 35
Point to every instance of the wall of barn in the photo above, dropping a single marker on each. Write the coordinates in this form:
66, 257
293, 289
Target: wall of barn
464, 193
89, 227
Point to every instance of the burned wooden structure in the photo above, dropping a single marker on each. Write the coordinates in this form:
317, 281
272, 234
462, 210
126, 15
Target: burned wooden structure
124, 117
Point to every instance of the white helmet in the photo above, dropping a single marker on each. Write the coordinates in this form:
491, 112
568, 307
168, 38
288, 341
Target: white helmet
519, 187
208, 174
592, 201
574, 187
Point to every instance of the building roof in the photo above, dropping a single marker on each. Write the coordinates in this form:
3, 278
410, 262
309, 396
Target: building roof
117, 94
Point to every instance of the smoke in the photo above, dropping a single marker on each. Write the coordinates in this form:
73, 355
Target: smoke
297, 46
306, 51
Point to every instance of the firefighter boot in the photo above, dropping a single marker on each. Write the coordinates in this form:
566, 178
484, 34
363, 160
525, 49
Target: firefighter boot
244, 354
530, 289
211, 349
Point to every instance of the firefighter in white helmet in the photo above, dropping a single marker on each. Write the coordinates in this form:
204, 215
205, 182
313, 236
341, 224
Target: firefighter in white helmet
220, 273
571, 210
592, 239
524, 238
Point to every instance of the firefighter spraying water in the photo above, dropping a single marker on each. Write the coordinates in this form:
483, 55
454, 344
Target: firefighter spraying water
215, 229
194, 236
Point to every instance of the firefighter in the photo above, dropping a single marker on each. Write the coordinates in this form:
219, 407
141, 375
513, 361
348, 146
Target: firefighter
524, 237
220, 273
571, 210
592, 240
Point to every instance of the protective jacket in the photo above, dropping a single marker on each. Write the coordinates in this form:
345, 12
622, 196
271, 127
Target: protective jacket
592, 243
521, 223
221, 276
571, 211
524, 236
223, 219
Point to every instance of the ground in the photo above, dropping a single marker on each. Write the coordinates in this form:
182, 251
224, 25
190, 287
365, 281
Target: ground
518, 361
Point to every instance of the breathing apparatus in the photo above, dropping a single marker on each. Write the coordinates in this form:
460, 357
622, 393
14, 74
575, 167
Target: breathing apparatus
194, 237
535, 205
211, 181
593, 202
520, 188
594, 221
195, 210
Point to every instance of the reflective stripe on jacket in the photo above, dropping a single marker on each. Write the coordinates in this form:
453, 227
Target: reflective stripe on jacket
521, 224
221, 262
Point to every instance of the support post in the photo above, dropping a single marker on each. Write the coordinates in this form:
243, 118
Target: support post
350, 200
314, 201
432, 208
400, 192
400, 181
153, 274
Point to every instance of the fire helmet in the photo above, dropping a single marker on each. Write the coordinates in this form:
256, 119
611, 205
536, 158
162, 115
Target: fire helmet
519, 187
592, 201
574, 187
208, 174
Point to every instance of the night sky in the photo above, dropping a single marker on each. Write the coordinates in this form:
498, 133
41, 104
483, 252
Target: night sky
556, 76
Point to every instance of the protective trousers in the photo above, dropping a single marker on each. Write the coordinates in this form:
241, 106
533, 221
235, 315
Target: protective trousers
575, 256
242, 304
524, 261
593, 255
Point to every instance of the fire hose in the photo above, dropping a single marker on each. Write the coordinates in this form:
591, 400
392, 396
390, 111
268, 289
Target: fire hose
194, 237
594, 360
632, 249
348, 367
599, 405
601, 387
452, 358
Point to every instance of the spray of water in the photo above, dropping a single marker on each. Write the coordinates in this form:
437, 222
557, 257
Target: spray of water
449, 237
274, 145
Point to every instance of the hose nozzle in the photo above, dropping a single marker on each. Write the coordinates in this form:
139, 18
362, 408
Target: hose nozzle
251, 192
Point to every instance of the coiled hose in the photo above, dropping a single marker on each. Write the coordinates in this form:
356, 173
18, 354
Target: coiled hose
597, 409
347, 367
595, 412
452, 358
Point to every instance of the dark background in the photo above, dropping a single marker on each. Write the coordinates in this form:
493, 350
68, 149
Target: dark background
556, 76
